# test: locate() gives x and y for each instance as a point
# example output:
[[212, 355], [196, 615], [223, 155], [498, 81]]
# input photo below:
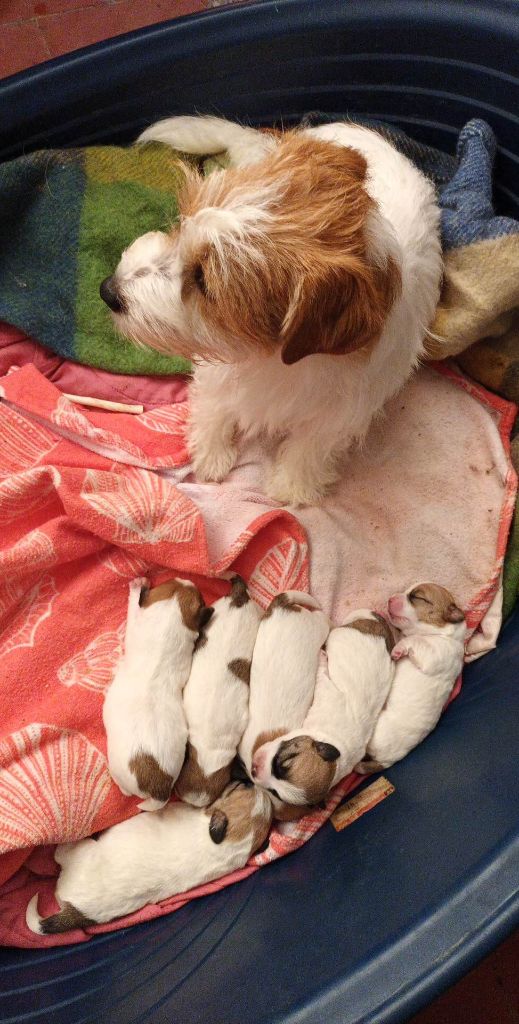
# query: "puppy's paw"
[[214, 464], [367, 766], [399, 651], [138, 583], [290, 489]]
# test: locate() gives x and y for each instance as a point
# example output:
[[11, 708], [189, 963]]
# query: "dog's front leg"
[[211, 433], [305, 468], [205, 136]]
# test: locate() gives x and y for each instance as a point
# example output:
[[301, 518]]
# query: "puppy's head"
[[296, 769], [290, 255], [243, 811], [194, 612], [426, 607]]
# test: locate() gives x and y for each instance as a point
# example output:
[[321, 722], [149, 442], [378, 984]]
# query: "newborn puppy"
[[284, 667], [153, 856], [143, 715], [301, 766], [430, 658], [216, 697]]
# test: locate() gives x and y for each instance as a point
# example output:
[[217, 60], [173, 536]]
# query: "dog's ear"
[[339, 310], [453, 614], [204, 614], [218, 826], [326, 750]]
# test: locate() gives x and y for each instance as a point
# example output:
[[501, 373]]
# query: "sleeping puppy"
[[284, 667], [143, 715], [216, 697], [301, 766], [430, 658], [154, 856]]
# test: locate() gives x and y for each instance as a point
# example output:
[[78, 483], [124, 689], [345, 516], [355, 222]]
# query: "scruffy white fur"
[[147, 859], [143, 712], [349, 694], [216, 696], [322, 404], [429, 660], [284, 667]]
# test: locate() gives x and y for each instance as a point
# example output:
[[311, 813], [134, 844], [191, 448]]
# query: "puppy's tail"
[[66, 920], [294, 599]]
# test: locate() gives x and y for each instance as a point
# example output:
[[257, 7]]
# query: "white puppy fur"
[[143, 714], [429, 659], [284, 667], [154, 856], [216, 696], [178, 291], [302, 765]]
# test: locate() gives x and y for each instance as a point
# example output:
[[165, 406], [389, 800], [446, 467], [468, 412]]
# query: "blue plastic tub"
[[369, 924]]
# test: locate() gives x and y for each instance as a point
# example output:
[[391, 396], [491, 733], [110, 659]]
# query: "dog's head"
[[243, 812], [195, 614], [296, 769], [290, 255], [425, 607]]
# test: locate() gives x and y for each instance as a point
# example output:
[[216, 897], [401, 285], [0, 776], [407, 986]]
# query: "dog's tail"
[[294, 599], [66, 920]]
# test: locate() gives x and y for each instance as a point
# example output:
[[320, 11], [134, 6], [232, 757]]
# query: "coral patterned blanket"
[[90, 499]]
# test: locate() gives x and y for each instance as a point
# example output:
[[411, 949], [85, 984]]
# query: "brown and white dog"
[[216, 696], [302, 765], [284, 668], [153, 856], [301, 281], [143, 714], [429, 659]]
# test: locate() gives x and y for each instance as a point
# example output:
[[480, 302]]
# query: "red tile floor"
[[32, 31]]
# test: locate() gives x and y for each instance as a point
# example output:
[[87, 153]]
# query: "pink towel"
[[89, 499]]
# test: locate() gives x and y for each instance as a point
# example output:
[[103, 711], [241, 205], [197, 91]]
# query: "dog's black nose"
[[109, 294]]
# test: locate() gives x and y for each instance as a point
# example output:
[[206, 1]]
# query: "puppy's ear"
[[218, 826], [453, 614], [326, 750], [204, 614], [339, 310]]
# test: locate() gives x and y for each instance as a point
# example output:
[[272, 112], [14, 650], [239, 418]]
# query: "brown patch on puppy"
[[240, 667], [68, 918], [192, 779], [435, 605], [372, 627], [151, 779], [266, 737], [195, 613], [239, 593], [232, 817], [282, 601], [306, 764]]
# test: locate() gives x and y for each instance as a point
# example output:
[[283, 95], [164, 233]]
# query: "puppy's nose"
[[395, 605], [109, 294]]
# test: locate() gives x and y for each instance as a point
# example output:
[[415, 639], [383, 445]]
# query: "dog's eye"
[[274, 793], [415, 596], [199, 279]]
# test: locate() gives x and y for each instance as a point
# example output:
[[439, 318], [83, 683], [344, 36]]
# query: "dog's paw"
[[399, 651], [291, 489], [138, 583], [214, 464], [367, 767]]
